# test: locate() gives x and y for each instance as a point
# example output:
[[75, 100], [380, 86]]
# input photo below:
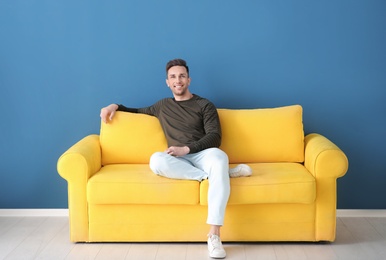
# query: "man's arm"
[[212, 128], [107, 113]]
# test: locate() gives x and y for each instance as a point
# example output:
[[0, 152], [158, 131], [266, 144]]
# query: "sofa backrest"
[[131, 138], [248, 135], [263, 135]]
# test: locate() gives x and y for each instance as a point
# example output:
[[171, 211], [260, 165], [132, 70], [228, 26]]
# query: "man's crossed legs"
[[211, 164]]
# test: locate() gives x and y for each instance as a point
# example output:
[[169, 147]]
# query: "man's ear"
[[167, 82]]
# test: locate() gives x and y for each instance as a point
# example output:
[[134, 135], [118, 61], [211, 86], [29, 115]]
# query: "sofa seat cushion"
[[136, 184], [270, 183]]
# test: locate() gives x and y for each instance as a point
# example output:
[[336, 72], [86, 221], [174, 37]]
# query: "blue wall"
[[61, 61]]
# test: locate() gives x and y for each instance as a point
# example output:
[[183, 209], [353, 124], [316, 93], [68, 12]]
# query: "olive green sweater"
[[194, 122]]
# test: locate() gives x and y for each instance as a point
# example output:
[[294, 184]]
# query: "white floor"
[[47, 238]]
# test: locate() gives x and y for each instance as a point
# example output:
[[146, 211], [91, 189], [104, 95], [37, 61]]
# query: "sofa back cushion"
[[131, 138], [263, 135]]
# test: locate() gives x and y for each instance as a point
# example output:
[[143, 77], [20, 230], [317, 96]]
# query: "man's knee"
[[218, 156], [157, 162]]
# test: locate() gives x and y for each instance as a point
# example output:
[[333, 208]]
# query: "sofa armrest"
[[76, 166], [81, 161], [323, 158], [326, 162]]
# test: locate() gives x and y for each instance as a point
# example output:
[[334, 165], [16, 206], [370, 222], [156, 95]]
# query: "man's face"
[[178, 81]]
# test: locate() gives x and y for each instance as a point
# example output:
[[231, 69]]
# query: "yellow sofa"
[[291, 195]]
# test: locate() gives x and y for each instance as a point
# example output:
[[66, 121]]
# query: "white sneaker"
[[241, 170], [215, 247]]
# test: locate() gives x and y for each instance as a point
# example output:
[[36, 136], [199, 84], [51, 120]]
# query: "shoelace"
[[215, 240]]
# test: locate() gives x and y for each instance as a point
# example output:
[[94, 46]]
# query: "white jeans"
[[211, 164]]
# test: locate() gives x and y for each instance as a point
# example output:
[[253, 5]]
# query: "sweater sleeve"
[[127, 109], [212, 127], [152, 110]]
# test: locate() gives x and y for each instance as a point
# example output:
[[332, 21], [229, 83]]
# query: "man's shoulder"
[[163, 101], [203, 101]]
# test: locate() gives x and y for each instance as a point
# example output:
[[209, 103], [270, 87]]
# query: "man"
[[192, 129]]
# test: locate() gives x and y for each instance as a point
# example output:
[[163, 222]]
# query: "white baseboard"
[[33, 212], [360, 213], [64, 213]]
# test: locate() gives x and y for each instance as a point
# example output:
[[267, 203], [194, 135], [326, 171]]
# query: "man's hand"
[[177, 151], [107, 113]]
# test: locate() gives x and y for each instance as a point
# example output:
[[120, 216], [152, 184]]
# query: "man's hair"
[[176, 62]]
